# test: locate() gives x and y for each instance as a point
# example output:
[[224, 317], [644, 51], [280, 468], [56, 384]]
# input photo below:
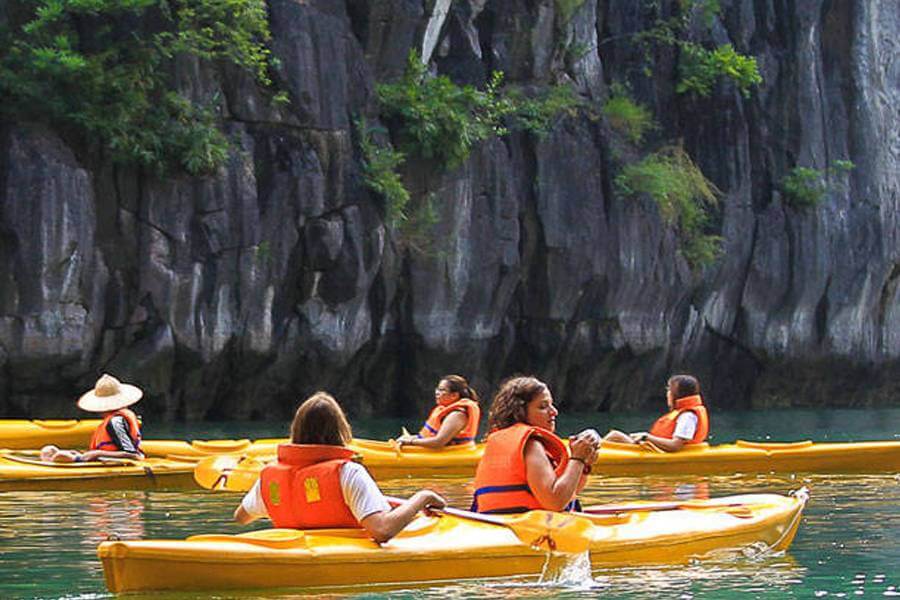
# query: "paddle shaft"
[[619, 508], [456, 512]]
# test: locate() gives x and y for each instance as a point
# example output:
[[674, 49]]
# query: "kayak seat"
[[220, 445], [56, 424], [268, 538], [773, 445]]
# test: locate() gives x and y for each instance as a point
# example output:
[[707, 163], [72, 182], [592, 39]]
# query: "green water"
[[846, 547]]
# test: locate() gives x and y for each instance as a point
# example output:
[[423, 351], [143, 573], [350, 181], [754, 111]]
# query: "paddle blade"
[[228, 473], [553, 531], [396, 447]]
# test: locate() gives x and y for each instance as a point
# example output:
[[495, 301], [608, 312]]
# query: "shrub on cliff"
[[805, 187], [682, 193], [699, 67], [99, 70], [441, 120], [380, 163], [435, 118], [626, 116]]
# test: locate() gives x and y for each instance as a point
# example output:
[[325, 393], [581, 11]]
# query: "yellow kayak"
[[751, 457], [20, 471], [21, 433], [237, 473], [447, 547]]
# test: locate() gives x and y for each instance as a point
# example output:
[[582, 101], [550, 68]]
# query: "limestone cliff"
[[236, 295]]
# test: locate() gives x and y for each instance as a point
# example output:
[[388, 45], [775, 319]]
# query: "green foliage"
[[805, 187], [538, 114], [380, 166], [264, 252], [700, 69], [434, 118], [437, 119], [841, 167], [415, 230], [682, 193], [566, 9], [626, 116], [98, 69]]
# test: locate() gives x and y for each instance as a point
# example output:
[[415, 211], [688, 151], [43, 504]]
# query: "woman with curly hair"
[[454, 418], [526, 465]]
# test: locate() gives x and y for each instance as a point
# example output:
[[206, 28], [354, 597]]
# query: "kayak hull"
[[22, 474], [18, 434], [445, 548]]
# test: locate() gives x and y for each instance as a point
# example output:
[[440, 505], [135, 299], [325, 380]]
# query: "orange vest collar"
[[688, 402], [301, 455], [448, 402]]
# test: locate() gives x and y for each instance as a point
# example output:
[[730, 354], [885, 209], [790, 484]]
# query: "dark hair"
[[683, 386], [458, 384], [320, 420], [511, 401]]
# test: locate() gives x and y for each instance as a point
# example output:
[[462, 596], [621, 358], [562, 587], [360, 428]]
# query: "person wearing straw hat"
[[118, 435]]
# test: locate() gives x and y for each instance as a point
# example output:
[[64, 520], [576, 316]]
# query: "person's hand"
[[590, 434], [583, 448], [428, 500], [405, 439], [639, 437]]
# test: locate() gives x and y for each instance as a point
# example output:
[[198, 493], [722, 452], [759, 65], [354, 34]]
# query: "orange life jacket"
[[441, 411], [101, 440], [501, 483], [303, 489], [665, 425]]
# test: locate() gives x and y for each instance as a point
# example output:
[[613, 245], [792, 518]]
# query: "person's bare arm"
[[450, 427], [242, 516], [95, 454], [619, 437], [553, 492], [384, 525], [669, 445]]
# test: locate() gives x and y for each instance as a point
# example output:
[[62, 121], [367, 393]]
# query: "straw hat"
[[109, 394]]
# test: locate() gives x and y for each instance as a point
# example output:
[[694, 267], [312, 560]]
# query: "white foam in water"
[[568, 570]]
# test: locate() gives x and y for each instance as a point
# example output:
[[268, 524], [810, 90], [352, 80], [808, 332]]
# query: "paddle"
[[554, 531], [735, 508], [231, 473]]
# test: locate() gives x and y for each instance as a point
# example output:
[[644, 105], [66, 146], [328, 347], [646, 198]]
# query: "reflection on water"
[[846, 545]]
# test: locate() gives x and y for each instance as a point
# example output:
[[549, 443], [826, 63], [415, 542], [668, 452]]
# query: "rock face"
[[236, 295]]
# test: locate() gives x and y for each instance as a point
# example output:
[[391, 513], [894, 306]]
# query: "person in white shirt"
[[686, 422], [315, 483]]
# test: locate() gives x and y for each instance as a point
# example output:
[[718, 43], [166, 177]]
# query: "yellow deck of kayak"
[[16, 434], [441, 548], [26, 472]]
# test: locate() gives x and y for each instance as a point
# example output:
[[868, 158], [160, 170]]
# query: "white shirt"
[[686, 425], [360, 491]]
